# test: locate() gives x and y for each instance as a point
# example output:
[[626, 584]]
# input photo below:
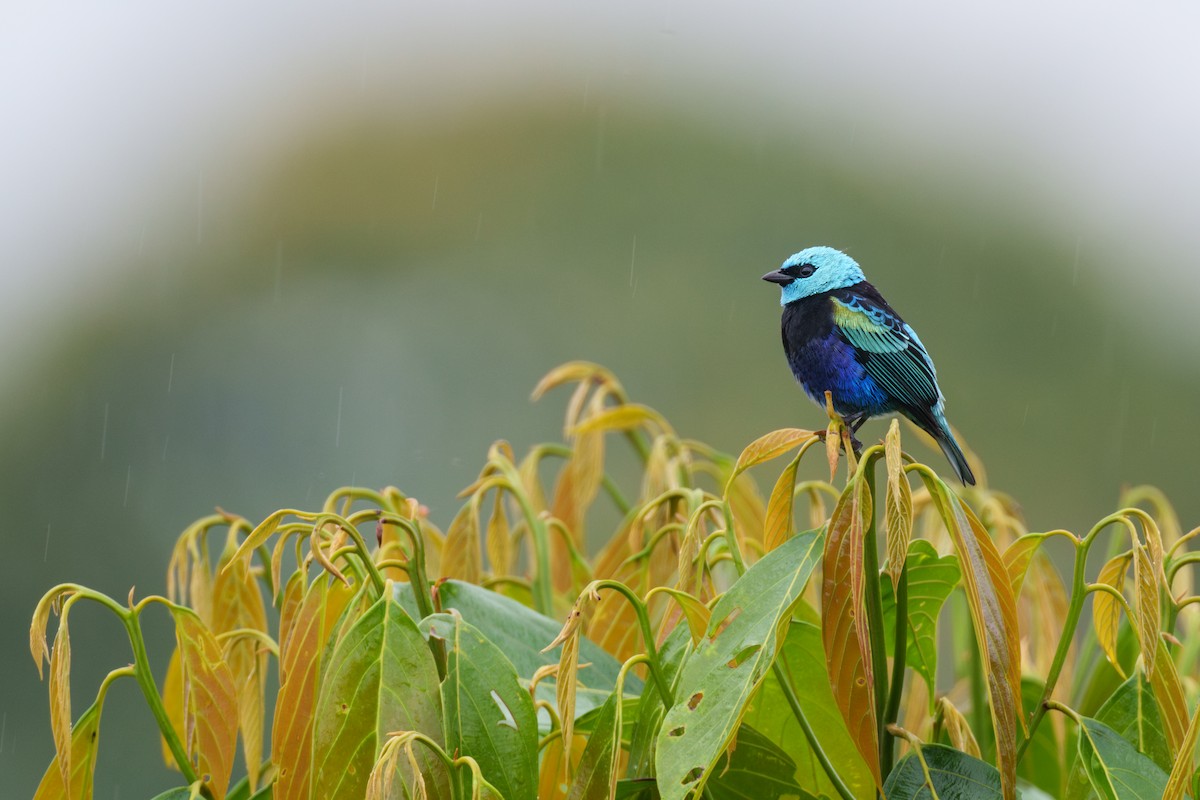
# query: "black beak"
[[776, 276]]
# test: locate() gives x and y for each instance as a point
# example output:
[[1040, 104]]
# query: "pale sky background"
[[1083, 115]]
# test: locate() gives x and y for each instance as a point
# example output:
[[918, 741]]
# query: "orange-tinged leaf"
[[994, 614], [237, 604], [1168, 693], [898, 509], [210, 701], [300, 660], [499, 540], [461, 551], [576, 488], [293, 595], [772, 445], [1146, 606], [843, 623], [1185, 763], [566, 682], [780, 522], [1106, 610], [60, 697], [172, 697]]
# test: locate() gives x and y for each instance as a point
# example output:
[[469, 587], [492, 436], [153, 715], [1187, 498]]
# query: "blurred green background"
[[367, 292]]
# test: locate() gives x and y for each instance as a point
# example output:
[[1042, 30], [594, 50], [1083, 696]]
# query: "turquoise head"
[[812, 271]]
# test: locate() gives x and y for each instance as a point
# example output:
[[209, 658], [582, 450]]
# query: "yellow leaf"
[[460, 553], [1168, 693], [1181, 772], [1146, 605], [172, 697], [769, 446], [898, 511], [957, 728], [571, 372], [499, 540], [780, 522], [60, 697], [624, 417], [1106, 609], [41, 620], [696, 613], [210, 701]]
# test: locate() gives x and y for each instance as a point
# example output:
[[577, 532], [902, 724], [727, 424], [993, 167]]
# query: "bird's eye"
[[806, 270]]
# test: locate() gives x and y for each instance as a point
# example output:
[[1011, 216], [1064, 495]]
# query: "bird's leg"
[[853, 423]]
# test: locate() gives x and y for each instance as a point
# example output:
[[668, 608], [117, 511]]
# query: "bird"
[[841, 336]]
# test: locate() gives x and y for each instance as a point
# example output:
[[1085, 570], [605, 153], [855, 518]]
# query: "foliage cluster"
[[713, 647]]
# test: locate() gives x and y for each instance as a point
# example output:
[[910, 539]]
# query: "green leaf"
[[1115, 769], [802, 660], [521, 633], [757, 768], [1132, 712], [746, 632], [954, 776], [650, 711], [597, 770], [931, 578], [380, 678], [85, 735], [488, 716]]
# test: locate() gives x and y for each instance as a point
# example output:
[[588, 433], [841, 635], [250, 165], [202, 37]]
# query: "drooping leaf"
[[952, 775], [1146, 605], [237, 604], [60, 697], [931, 579], [695, 613], [898, 508], [1168, 692], [173, 702], [1017, 558], [488, 715], [957, 729], [1184, 768], [780, 522], [994, 614], [300, 663], [461, 552], [210, 700], [1115, 769], [85, 741], [380, 678], [843, 622], [802, 661], [623, 417], [746, 631], [1106, 610]]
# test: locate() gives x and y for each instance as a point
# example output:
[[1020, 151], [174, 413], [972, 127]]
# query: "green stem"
[[794, 702], [899, 655], [416, 570], [145, 680], [660, 680], [1078, 593]]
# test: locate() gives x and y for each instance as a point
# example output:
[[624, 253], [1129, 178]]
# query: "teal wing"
[[889, 351]]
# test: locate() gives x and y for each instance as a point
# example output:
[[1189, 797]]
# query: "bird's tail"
[[954, 453]]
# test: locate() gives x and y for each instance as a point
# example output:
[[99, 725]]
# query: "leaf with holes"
[[487, 714], [802, 661], [843, 622], [745, 633], [380, 678], [931, 578], [947, 774]]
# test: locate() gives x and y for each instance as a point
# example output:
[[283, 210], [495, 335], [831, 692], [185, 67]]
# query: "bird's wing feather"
[[891, 352]]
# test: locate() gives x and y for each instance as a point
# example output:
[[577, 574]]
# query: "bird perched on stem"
[[841, 336]]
